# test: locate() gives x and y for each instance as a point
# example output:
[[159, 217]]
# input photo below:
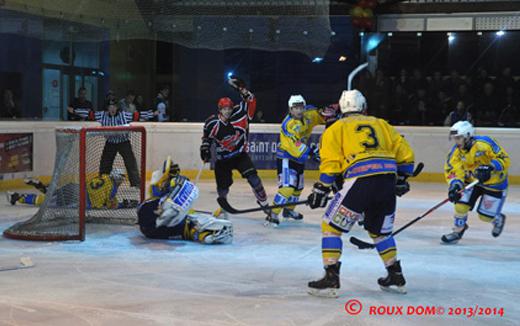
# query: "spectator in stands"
[[419, 110], [436, 83], [440, 108], [404, 81], [487, 106], [399, 106], [480, 80], [380, 96], [510, 112], [452, 83], [9, 108], [259, 117], [139, 103], [79, 103], [161, 104], [459, 114], [127, 103], [505, 80], [463, 95], [418, 81]]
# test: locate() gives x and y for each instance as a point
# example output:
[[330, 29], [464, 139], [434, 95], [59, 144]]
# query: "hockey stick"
[[365, 245], [228, 208], [354, 73], [25, 262], [201, 167]]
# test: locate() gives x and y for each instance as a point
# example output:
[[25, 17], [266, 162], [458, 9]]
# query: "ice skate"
[[498, 225], [272, 220], [455, 236], [36, 184], [329, 285], [12, 197], [394, 281], [291, 214]]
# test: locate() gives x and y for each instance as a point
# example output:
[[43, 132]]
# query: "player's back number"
[[371, 138]]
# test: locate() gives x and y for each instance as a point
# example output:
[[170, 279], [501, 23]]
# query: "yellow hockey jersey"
[[461, 164], [294, 134], [101, 191], [359, 146]]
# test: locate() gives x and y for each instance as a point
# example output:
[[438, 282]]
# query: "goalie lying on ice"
[[170, 216]]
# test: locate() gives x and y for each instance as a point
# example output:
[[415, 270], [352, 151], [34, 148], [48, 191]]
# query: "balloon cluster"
[[363, 15]]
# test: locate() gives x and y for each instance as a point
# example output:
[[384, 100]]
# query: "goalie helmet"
[[296, 100], [462, 128], [352, 102]]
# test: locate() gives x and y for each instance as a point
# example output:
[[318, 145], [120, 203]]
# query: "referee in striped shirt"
[[113, 117]]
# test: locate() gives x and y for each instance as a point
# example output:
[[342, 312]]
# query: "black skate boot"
[[264, 205], [328, 286], [455, 236], [272, 220], [36, 184], [12, 197], [394, 281], [292, 214], [498, 225]]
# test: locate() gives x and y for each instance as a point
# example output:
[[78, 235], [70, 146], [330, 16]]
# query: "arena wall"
[[182, 141]]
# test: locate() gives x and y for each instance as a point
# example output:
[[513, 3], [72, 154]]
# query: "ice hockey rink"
[[118, 277]]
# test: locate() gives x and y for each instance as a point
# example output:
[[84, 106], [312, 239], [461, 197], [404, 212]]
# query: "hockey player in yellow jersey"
[[291, 155], [475, 157], [101, 193], [375, 161]]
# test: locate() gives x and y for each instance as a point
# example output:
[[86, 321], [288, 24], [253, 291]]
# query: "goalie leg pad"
[[210, 230]]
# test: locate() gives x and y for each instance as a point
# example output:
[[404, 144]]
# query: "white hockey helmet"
[[462, 128], [352, 101], [295, 100]]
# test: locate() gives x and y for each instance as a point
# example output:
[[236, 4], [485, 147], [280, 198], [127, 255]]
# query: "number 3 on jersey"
[[372, 141]]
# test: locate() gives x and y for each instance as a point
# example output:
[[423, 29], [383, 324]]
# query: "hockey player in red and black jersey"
[[229, 130]]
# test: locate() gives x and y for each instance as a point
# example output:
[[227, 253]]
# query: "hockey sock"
[[31, 199], [258, 188], [282, 197], [331, 244], [294, 198], [386, 248], [461, 216]]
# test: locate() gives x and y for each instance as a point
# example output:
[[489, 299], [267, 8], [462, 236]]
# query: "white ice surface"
[[117, 277]]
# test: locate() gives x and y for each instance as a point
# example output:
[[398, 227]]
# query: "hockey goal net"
[[99, 177]]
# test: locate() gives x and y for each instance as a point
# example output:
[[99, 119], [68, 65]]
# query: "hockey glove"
[[205, 153], [318, 197], [402, 186], [483, 173], [454, 192], [315, 153]]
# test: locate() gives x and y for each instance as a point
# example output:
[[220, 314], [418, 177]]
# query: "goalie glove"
[[401, 186], [205, 153], [318, 197]]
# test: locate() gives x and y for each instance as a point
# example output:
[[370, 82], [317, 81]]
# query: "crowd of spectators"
[[411, 98], [131, 103]]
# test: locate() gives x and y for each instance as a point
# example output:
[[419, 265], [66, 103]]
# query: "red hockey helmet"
[[225, 102]]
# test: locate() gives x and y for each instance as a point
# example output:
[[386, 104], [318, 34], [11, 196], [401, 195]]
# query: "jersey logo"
[[229, 142]]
